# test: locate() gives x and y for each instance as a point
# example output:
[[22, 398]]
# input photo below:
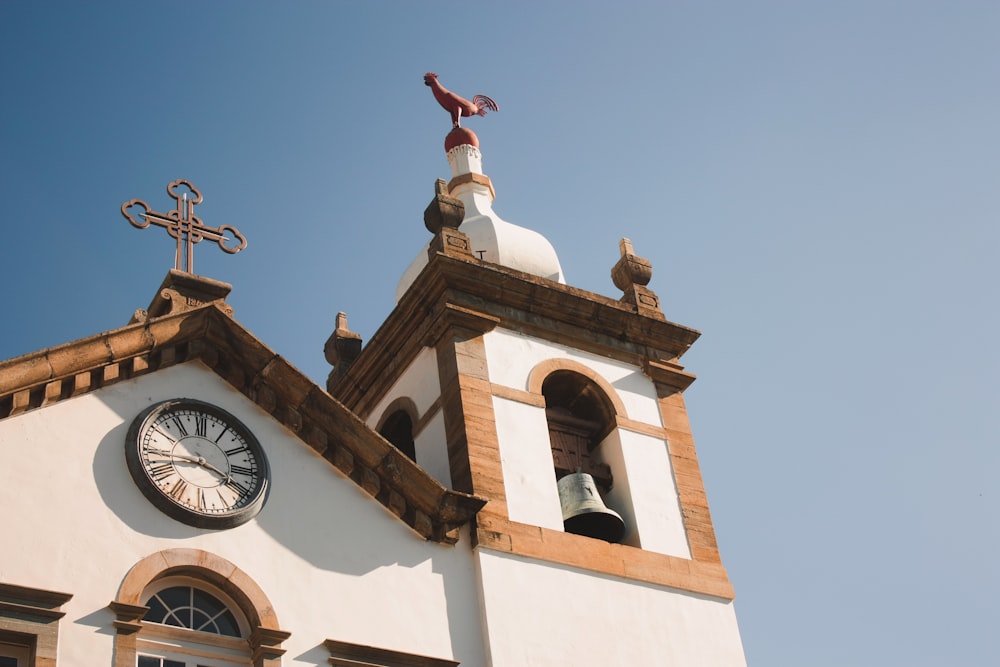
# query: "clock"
[[197, 463]]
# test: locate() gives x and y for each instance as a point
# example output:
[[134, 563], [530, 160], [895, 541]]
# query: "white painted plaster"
[[644, 492], [419, 382], [431, 447], [334, 563], [529, 477], [545, 614], [511, 356]]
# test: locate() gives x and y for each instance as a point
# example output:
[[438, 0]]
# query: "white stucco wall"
[[334, 563], [431, 447], [420, 383], [644, 492], [526, 459], [546, 615]]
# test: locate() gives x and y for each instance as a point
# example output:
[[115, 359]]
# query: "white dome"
[[493, 239]]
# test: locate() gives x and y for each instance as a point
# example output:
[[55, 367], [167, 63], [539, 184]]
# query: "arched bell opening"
[[398, 429], [579, 416]]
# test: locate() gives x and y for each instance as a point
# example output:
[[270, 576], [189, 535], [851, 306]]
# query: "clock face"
[[197, 463]]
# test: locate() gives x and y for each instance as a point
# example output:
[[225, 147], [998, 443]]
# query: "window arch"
[[160, 589], [398, 429], [580, 414], [579, 417], [190, 623], [397, 425]]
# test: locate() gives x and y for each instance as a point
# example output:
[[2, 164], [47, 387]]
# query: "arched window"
[[191, 624], [579, 417], [398, 429], [191, 608]]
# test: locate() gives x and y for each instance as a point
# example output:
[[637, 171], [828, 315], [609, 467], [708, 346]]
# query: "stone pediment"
[[207, 333]]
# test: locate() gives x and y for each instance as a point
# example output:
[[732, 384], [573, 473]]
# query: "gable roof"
[[206, 331]]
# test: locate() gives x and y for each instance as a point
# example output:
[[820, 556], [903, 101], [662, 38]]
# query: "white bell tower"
[[553, 403]]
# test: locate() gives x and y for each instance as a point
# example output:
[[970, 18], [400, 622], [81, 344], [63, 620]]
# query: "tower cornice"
[[510, 299]]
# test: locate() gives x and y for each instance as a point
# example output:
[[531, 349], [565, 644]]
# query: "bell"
[[584, 513]]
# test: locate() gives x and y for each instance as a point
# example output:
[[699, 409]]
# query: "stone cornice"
[[207, 334], [503, 297]]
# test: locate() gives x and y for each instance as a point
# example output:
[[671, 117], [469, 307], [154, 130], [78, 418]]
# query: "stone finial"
[[631, 275], [442, 217], [444, 210], [341, 349]]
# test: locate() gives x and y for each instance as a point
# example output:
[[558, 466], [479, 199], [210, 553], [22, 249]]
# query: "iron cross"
[[183, 225]]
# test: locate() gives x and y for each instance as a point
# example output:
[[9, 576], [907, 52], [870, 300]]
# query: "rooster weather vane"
[[183, 225], [458, 106]]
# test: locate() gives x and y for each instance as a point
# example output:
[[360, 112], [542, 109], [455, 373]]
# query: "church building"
[[503, 476]]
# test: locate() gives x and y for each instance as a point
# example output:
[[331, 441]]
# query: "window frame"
[[210, 571], [29, 617]]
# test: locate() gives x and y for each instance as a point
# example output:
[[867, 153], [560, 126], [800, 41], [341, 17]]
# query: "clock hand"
[[205, 464], [200, 460]]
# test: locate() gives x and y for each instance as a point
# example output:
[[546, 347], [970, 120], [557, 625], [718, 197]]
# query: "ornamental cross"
[[183, 225]]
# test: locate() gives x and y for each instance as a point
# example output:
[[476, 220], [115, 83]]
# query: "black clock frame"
[[162, 501]]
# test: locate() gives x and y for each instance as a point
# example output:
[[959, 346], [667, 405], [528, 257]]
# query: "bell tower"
[[565, 409]]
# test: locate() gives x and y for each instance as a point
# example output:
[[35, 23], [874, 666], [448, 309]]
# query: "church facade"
[[504, 475]]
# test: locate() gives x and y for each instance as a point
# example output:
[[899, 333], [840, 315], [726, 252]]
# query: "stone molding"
[[501, 296], [346, 654], [31, 616], [545, 368]]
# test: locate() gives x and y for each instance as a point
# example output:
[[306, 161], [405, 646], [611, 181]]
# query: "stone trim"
[[265, 635], [626, 424], [545, 368], [523, 302], [519, 395], [209, 336], [31, 616], [469, 420], [619, 560], [669, 377], [687, 476], [404, 403], [346, 654], [421, 424]]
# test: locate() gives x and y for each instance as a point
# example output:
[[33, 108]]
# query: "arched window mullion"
[[184, 615]]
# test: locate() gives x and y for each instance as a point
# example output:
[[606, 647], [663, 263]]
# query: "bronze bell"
[[584, 513]]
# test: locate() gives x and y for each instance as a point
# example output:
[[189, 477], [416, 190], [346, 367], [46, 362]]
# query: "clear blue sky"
[[815, 183]]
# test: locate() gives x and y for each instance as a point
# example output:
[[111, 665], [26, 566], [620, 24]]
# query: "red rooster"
[[455, 105]]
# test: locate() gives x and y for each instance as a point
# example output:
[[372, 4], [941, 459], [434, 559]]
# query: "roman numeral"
[[224, 431], [200, 425], [180, 425], [161, 471], [178, 490], [166, 435], [235, 450], [237, 487], [240, 470]]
